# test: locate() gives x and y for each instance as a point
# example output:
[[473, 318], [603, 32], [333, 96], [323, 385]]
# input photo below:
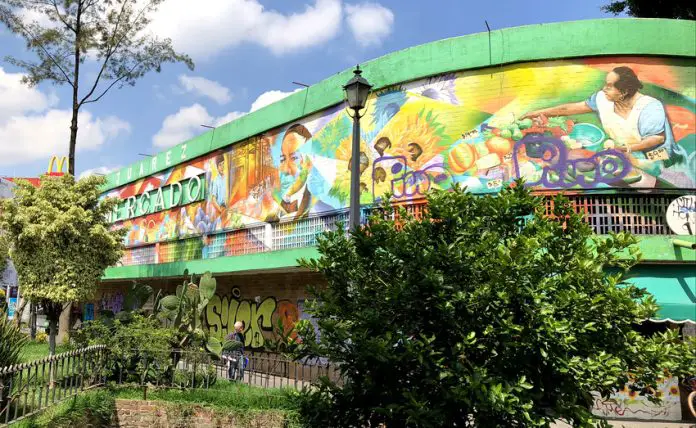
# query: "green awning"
[[674, 288]]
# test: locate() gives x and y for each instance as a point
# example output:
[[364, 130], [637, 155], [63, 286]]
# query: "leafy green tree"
[[109, 37], [484, 312], [61, 241], [4, 252], [675, 9]]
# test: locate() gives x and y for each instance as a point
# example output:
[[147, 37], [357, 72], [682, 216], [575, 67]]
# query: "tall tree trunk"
[[75, 97], [19, 311], [52, 314], [64, 322], [32, 320]]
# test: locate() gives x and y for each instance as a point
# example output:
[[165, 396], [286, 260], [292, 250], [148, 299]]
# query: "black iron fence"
[[26, 389], [191, 369]]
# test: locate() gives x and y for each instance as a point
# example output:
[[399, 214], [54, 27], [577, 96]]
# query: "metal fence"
[[636, 213], [26, 389], [200, 370]]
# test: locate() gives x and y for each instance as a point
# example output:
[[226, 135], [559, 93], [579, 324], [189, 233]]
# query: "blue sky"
[[247, 53]]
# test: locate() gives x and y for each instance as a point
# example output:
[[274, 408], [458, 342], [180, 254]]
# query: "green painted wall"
[[655, 249], [249, 262], [535, 42]]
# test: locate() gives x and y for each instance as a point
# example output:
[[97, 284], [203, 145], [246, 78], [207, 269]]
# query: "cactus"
[[185, 311]]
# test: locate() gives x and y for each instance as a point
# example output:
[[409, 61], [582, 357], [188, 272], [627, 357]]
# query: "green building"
[[246, 199]]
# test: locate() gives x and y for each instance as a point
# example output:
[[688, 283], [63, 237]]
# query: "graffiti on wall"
[[599, 123], [628, 403], [260, 317], [111, 302]]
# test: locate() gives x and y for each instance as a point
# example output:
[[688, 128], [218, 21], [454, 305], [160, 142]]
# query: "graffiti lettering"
[[259, 317], [562, 168], [405, 183], [684, 209]]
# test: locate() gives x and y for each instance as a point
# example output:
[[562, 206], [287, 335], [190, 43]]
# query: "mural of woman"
[[636, 122]]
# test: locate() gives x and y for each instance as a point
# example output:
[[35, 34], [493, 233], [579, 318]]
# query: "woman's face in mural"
[[293, 165], [610, 90]]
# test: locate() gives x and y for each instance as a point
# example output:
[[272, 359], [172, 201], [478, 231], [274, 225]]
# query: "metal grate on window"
[[244, 241], [138, 256], [638, 214], [304, 232], [178, 251]]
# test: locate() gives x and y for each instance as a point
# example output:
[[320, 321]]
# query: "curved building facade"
[[247, 199]]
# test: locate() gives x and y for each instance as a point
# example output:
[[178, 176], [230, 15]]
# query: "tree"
[[484, 312], [675, 9], [66, 34], [4, 252], [61, 241]]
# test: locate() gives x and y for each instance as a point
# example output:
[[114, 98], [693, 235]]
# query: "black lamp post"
[[357, 89]]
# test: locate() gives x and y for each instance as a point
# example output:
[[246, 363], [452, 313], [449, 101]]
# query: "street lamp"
[[356, 91]]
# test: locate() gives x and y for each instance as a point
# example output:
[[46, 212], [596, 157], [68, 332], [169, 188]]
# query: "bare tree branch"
[[60, 17], [123, 76], [48, 54]]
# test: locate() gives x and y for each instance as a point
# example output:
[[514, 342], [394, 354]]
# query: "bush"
[[205, 377], [41, 337], [12, 342], [484, 312], [89, 409], [139, 347]]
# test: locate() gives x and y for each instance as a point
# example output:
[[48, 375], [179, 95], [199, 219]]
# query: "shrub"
[[95, 408], [139, 347], [41, 337], [12, 342], [484, 312]]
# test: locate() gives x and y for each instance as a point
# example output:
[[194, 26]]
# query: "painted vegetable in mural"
[[550, 123]]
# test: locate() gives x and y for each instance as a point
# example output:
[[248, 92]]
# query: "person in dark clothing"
[[235, 359]]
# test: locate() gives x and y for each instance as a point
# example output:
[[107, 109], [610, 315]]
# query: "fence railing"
[[26, 389], [199, 370], [638, 214]]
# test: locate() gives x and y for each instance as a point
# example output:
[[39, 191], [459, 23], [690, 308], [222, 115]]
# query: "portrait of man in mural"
[[218, 185], [295, 198], [637, 123]]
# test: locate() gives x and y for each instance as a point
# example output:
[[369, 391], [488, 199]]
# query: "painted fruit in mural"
[[499, 145], [461, 158]]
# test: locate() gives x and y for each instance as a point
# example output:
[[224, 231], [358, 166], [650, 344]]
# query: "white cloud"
[[182, 125], [30, 129], [18, 98], [269, 98], [186, 123], [204, 31], [203, 87], [229, 117], [32, 137], [102, 170], [370, 23]]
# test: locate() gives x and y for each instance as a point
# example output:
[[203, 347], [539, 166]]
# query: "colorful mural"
[[599, 123], [260, 317], [628, 403]]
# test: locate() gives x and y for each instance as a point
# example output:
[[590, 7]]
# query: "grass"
[[36, 351], [223, 395], [94, 408], [245, 403]]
